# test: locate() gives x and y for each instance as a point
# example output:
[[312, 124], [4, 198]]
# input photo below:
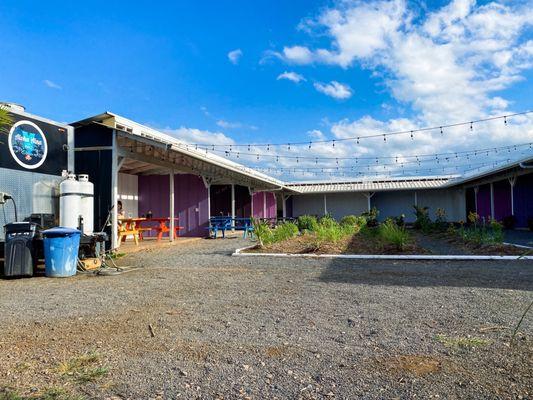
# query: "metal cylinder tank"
[[86, 203], [69, 202]]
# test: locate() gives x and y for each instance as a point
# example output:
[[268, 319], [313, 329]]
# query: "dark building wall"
[[220, 200], [243, 202], [523, 199], [502, 199], [97, 164], [483, 201]]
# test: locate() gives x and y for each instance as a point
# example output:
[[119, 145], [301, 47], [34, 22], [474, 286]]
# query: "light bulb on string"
[[471, 126], [412, 137]]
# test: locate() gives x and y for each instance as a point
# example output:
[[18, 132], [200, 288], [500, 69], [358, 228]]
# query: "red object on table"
[[163, 227]]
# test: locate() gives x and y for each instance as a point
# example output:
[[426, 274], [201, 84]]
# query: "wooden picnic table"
[[133, 227], [129, 226], [163, 227]]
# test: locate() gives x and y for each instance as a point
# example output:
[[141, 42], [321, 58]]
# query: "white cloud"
[[444, 66], [234, 56], [334, 89], [199, 136], [291, 76], [52, 84], [297, 54], [228, 125]]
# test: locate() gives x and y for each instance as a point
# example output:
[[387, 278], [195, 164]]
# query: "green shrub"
[[390, 232], [284, 231], [353, 220], [330, 234], [422, 218], [371, 217], [327, 221], [349, 220], [307, 223], [262, 232], [496, 231]]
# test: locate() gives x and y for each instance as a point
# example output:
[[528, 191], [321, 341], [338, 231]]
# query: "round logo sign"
[[27, 144]]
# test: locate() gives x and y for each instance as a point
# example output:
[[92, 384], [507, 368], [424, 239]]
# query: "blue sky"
[[362, 64]]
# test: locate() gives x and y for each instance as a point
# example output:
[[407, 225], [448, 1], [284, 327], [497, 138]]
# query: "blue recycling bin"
[[61, 251]]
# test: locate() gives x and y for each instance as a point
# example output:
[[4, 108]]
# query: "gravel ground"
[[194, 322]]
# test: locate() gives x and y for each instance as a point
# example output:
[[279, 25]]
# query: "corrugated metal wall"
[[483, 201], [190, 202], [393, 204], [307, 204], [33, 193], [128, 194], [341, 204], [264, 205], [452, 201], [502, 199], [523, 199]]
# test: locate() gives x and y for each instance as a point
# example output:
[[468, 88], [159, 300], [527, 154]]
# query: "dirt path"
[[194, 322]]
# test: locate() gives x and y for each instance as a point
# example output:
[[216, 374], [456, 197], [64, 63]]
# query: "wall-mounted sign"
[[27, 144]]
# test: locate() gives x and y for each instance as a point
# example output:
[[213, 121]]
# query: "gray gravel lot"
[[258, 327]]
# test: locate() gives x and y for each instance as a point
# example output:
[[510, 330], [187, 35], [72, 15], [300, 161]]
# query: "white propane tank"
[[69, 202], [87, 204]]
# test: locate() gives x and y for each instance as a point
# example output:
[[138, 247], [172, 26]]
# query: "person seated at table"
[[120, 210]]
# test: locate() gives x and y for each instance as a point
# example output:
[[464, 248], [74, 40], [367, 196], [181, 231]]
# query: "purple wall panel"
[[523, 199], [190, 201], [483, 202], [259, 200], [502, 200], [271, 205]]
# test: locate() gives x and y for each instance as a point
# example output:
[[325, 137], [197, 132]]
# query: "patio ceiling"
[[146, 156]]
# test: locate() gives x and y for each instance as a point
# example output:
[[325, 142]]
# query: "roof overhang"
[[142, 146]]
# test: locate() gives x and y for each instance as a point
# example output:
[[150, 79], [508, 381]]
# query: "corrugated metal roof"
[[133, 128], [371, 185]]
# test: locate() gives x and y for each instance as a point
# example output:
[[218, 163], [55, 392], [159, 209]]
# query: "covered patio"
[[160, 180]]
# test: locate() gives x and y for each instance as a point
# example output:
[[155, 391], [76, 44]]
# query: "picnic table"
[[133, 227], [127, 227], [163, 228], [224, 223]]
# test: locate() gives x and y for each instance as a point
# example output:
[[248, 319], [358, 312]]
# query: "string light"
[[425, 129], [443, 154]]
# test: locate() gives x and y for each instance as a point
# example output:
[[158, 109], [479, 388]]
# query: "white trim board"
[[239, 253]]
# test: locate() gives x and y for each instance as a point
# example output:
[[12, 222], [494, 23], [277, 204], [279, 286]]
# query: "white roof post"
[[171, 206], [233, 207], [512, 182], [491, 201]]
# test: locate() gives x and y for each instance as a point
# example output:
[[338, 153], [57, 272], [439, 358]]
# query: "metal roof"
[[132, 129], [492, 171], [376, 185]]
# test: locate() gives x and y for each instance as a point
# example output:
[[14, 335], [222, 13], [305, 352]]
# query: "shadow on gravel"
[[482, 274]]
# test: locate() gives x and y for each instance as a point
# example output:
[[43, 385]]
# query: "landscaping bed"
[[363, 235]]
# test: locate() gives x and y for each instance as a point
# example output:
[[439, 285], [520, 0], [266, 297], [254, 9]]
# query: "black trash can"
[[20, 256]]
